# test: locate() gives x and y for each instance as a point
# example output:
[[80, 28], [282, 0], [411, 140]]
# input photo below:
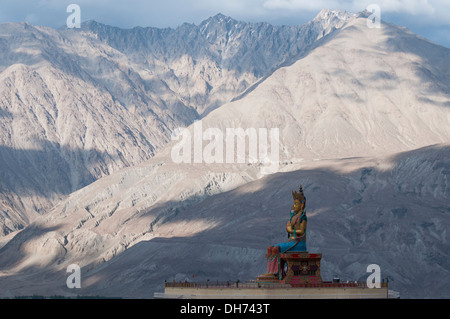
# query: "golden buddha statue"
[[296, 229]]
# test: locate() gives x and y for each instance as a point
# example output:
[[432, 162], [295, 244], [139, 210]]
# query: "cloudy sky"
[[429, 18]]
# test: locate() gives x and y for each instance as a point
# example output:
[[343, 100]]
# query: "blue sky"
[[429, 18]]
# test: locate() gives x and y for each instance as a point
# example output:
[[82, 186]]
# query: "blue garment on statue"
[[292, 246]]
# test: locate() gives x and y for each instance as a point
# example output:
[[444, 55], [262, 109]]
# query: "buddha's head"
[[297, 206]]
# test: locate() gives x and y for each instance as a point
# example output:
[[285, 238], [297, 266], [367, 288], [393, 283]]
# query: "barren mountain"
[[209, 64], [359, 92], [76, 105], [345, 108]]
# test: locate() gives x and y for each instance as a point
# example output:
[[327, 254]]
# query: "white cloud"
[[415, 7], [304, 4]]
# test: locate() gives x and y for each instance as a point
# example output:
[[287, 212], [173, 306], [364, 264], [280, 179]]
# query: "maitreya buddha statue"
[[296, 229]]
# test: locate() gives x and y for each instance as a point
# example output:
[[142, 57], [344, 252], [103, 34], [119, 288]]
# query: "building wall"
[[276, 293]]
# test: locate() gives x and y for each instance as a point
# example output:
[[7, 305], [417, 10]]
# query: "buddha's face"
[[297, 206]]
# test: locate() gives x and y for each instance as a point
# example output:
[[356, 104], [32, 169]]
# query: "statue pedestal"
[[300, 268]]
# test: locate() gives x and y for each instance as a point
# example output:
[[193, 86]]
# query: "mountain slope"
[[131, 231], [61, 128]]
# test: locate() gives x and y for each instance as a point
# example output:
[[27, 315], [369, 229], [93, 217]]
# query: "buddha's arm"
[[289, 228], [299, 230]]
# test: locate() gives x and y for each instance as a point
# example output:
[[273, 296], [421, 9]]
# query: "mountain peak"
[[220, 16], [327, 14], [219, 19]]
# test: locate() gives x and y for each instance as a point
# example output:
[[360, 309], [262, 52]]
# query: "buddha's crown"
[[299, 196]]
